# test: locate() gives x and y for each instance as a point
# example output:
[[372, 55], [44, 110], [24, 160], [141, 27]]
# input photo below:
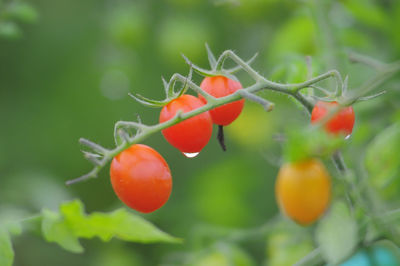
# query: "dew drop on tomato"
[[190, 155]]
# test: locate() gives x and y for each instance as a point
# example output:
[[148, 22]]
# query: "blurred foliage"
[[330, 240], [68, 74], [288, 238], [382, 163], [310, 142], [12, 13], [381, 253]]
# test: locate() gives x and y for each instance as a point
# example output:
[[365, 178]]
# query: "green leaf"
[[310, 142], [382, 162], [120, 224], [71, 223], [56, 229], [6, 250], [336, 234]]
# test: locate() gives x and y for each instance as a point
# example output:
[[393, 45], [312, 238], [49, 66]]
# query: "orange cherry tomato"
[[220, 86], [141, 178], [303, 190], [191, 135]]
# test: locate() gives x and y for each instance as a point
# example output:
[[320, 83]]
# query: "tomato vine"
[[341, 95]]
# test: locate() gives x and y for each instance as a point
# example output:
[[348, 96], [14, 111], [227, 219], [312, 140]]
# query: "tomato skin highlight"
[[141, 178], [191, 135], [220, 86], [342, 122], [303, 190]]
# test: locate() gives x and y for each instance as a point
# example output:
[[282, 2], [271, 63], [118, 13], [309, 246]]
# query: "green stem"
[[337, 159], [145, 130]]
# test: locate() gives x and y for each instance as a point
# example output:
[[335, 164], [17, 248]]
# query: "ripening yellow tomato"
[[303, 190]]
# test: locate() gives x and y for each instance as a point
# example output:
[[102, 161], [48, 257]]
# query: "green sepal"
[[199, 70], [310, 142], [148, 102], [237, 68], [211, 57], [370, 97]]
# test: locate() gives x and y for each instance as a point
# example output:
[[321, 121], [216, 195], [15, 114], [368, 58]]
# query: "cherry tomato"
[[191, 135], [303, 190], [141, 178], [220, 86], [342, 122]]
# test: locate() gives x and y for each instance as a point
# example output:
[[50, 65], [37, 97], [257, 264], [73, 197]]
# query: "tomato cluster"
[[141, 177]]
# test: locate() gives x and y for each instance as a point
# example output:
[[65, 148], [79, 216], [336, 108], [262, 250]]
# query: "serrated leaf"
[[6, 249], [71, 223], [56, 229], [336, 234], [382, 162], [120, 224]]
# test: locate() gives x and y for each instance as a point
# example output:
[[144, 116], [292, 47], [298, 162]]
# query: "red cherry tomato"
[[342, 122], [220, 86], [141, 178], [191, 135]]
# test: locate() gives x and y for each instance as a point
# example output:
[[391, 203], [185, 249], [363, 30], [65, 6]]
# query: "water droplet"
[[190, 155], [347, 137]]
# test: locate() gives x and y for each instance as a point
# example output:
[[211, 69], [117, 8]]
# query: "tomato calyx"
[[170, 92], [217, 65]]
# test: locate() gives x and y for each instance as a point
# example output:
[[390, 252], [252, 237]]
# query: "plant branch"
[[261, 83]]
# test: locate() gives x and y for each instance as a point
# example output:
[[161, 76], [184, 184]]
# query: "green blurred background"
[[67, 74]]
